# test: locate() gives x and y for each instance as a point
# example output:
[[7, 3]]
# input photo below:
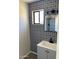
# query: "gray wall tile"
[[37, 31]]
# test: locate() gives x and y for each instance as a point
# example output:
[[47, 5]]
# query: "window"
[[38, 17]]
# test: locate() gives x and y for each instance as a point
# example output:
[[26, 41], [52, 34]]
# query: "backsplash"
[[37, 32]]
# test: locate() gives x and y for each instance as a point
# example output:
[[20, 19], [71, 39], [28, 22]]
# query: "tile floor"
[[31, 56]]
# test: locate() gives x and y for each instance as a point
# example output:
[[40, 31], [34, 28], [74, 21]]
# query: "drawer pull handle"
[[47, 51]]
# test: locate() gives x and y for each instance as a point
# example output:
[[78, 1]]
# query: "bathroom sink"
[[46, 44]]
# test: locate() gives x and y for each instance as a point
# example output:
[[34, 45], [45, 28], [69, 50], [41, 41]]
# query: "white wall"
[[24, 36]]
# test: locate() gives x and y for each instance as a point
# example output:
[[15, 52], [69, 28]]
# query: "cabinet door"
[[51, 54], [41, 53]]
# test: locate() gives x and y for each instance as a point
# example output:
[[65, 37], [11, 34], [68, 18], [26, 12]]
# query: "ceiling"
[[29, 1]]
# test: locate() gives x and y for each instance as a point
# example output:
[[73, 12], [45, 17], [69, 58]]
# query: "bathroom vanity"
[[46, 50]]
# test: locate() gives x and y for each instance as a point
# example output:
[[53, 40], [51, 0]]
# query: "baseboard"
[[27, 54], [34, 52], [22, 57]]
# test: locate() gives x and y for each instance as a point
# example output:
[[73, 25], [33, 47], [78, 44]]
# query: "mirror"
[[51, 23]]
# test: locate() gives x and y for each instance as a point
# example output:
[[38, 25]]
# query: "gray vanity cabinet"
[[44, 53]]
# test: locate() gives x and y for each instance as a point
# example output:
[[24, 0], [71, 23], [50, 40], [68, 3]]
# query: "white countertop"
[[46, 44]]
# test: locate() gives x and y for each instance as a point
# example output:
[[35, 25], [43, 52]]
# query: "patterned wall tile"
[[37, 32]]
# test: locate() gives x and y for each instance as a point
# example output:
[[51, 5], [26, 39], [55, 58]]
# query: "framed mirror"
[[51, 23]]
